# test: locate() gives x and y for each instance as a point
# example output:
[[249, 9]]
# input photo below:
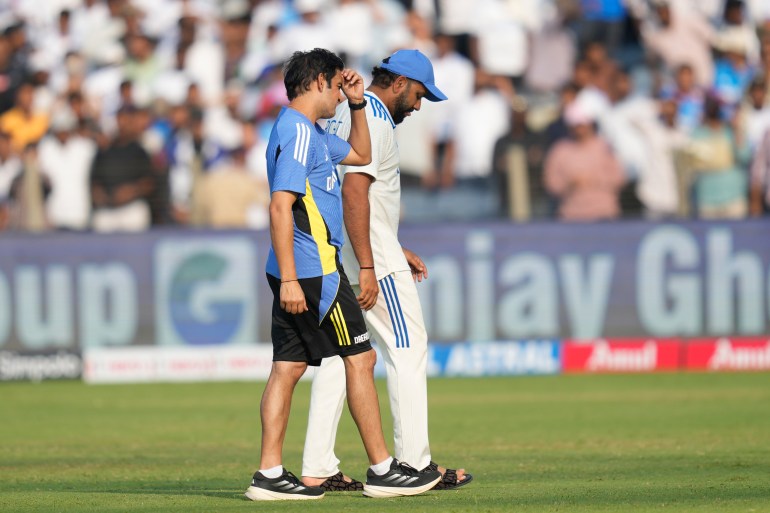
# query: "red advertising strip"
[[728, 354], [621, 355]]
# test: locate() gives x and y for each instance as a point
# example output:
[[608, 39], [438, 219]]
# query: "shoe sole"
[[260, 494], [384, 492]]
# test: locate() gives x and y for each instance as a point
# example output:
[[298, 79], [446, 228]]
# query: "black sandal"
[[449, 479], [337, 483]]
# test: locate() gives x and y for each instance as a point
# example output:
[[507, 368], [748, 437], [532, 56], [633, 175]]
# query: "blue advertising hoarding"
[[487, 282]]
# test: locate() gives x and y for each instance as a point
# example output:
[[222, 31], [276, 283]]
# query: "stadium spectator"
[[764, 64], [201, 59], [720, 184], [657, 186], [142, 68], [12, 72], [222, 59], [753, 117], [28, 194], [601, 20], [351, 23], [10, 165], [760, 178], [582, 172], [735, 23], [122, 178], [680, 36], [619, 124], [733, 70], [229, 196], [23, 124], [312, 30], [558, 128], [518, 162], [471, 182], [501, 42], [689, 97], [65, 158], [552, 56]]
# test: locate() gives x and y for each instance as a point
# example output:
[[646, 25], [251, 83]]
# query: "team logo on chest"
[[331, 181]]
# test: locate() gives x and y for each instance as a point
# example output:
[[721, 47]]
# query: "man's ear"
[[320, 82], [400, 84]]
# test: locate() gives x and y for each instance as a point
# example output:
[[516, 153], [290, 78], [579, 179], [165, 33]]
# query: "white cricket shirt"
[[384, 193]]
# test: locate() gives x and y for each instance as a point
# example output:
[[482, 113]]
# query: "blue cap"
[[415, 65]]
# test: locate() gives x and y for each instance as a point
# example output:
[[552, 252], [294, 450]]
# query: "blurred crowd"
[[118, 115]]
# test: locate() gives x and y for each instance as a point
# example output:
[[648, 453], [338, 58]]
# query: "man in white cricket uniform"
[[383, 275]]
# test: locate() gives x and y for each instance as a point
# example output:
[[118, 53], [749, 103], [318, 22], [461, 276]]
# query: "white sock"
[[383, 467], [272, 473]]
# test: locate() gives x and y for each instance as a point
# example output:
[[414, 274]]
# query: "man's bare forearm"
[[355, 201]]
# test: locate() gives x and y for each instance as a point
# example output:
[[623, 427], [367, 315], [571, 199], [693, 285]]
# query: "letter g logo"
[[205, 291]]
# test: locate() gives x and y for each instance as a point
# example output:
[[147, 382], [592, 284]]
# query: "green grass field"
[[671, 442]]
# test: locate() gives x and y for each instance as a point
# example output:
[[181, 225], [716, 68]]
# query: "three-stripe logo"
[[388, 287], [338, 321], [302, 144]]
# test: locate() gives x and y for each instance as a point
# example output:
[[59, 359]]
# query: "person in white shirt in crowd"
[[678, 35], [456, 18], [734, 20], [619, 124], [57, 40], [97, 33], [312, 30], [203, 61], [479, 123], [502, 43], [753, 118], [553, 53], [459, 75], [351, 23], [657, 184], [65, 158]]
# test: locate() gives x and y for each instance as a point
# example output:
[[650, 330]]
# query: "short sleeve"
[[338, 149], [291, 167]]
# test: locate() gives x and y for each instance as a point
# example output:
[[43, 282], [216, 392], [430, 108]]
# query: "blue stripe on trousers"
[[399, 313], [391, 311]]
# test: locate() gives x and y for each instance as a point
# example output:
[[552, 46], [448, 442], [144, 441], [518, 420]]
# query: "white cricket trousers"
[[398, 329]]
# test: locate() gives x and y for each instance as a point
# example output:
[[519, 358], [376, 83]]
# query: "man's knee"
[[361, 362], [289, 370]]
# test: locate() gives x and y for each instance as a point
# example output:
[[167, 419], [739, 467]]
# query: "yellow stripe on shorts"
[[337, 327], [343, 324]]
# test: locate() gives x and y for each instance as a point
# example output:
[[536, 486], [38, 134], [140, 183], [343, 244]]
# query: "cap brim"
[[434, 94]]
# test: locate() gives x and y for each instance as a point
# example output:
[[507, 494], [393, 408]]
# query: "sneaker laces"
[[291, 478], [407, 469]]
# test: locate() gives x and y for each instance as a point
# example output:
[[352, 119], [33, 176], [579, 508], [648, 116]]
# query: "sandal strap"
[[337, 483]]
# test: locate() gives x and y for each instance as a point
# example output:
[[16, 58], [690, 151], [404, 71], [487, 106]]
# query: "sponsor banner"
[[494, 358], [175, 364], [488, 282], [39, 366], [621, 355], [728, 354]]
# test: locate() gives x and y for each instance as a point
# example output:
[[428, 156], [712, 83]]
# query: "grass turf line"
[[667, 442]]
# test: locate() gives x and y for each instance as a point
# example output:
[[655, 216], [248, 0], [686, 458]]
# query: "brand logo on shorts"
[[361, 338], [205, 291]]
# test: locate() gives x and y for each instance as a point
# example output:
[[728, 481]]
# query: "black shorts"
[[300, 337]]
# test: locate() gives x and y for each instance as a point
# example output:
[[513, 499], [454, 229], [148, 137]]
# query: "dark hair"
[[382, 77], [303, 68], [732, 4]]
